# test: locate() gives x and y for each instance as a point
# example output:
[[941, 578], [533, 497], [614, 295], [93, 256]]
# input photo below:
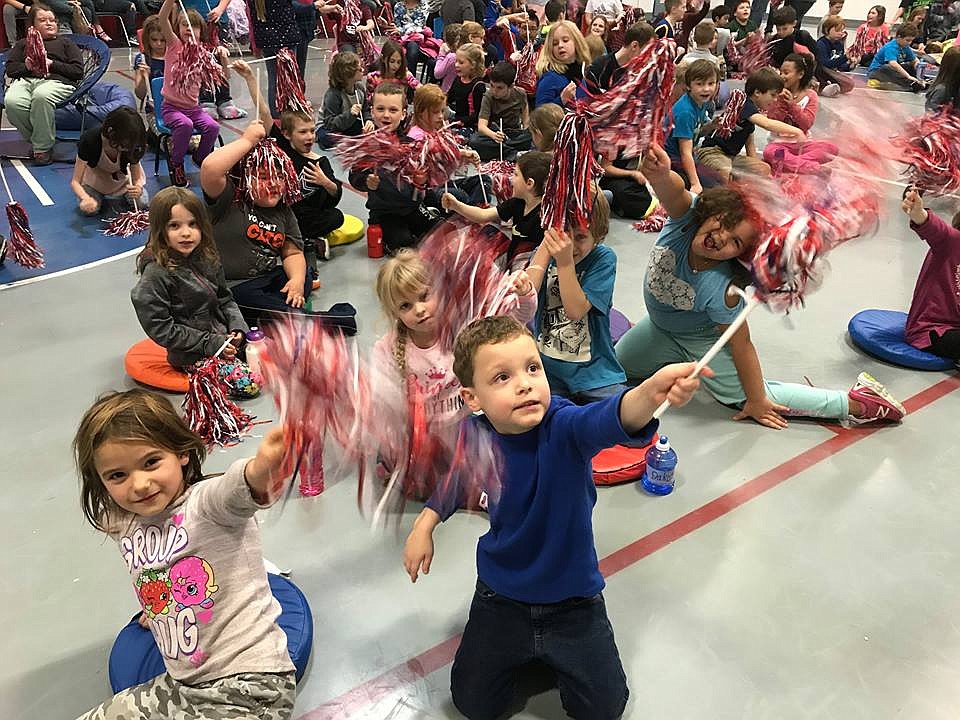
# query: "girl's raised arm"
[[667, 185]]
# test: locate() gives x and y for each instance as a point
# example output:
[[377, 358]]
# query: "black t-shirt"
[[527, 229], [734, 144], [315, 198], [464, 99], [604, 73], [781, 47]]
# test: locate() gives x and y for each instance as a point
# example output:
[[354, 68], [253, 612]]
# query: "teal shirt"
[[688, 118]]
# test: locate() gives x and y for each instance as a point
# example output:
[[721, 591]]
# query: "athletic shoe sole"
[[868, 381]]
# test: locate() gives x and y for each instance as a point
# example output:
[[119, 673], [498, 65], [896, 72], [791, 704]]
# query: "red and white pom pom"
[[431, 161], [125, 224], [653, 222], [199, 68], [729, 119], [369, 50], [788, 262], [320, 389], [267, 170], [501, 176], [22, 246], [527, 68], [568, 191], [379, 149], [208, 410], [930, 145], [290, 87], [755, 54], [35, 54]]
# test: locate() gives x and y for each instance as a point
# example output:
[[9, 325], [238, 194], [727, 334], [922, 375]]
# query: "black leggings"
[[946, 345]]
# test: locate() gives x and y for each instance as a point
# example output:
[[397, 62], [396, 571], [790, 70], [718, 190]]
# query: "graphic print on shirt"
[[440, 390], [176, 597], [560, 337], [267, 237], [663, 283]]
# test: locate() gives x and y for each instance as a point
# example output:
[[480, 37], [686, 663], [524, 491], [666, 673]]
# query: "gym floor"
[[805, 573]]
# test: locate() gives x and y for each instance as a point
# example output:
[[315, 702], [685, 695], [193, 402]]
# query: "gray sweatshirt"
[[188, 310], [337, 117]]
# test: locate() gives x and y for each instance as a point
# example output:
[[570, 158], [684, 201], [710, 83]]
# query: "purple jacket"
[[936, 297]]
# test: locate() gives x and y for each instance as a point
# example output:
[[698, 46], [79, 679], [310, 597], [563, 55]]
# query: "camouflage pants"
[[247, 696]]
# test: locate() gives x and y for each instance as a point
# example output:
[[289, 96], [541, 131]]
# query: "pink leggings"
[[803, 158], [182, 124]]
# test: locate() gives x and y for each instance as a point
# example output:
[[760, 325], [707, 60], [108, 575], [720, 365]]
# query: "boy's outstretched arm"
[[418, 551], [668, 383], [471, 212]]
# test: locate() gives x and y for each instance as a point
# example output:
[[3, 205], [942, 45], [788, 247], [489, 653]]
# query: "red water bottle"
[[374, 241]]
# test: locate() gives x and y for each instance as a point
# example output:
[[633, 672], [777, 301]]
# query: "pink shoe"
[[878, 404]]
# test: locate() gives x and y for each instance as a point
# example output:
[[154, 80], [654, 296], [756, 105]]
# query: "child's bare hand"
[[88, 205], [262, 473], [373, 181], [912, 205], [229, 352], [368, 127], [294, 292], [242, 69], [765, 411], [673, 383], [559, 245], [255, 132], [448, 201], [500, 137], [655, 162], [470, 156], [134, 191], [638, 177], [418, 553], [522, 285], [314, 175], [356, 109], [797, 134], [568, 93]]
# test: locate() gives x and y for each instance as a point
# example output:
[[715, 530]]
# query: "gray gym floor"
[[806, 573]]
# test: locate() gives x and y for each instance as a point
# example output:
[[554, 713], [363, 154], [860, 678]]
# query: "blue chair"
[[96, 59], [163, 132]]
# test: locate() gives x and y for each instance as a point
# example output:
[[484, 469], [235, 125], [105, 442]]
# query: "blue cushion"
[[881, 333], [135, 658], [104, 98]]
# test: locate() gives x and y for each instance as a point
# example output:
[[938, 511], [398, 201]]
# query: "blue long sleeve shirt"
[[540, 548]]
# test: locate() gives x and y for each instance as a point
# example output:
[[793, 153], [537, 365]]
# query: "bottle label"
[[660, 477]]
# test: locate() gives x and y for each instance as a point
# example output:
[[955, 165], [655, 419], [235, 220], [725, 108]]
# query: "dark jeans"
[[946, 345], [400, 231], [757, 9], [489, 149], [414, 56], [469, 190], [573, 638], [263, 294]]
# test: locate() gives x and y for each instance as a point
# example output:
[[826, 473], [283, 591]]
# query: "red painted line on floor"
[[429, 661]]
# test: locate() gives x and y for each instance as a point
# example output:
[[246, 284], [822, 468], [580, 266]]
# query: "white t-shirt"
[[610, 9]]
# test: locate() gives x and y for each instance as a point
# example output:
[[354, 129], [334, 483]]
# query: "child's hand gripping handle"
[[752, 302]]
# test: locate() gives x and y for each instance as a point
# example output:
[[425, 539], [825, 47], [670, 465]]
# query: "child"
[[522, 210], [108, 162], [608, 71], [561, 63], [553, 12], [390, 67], [721, 17], [834, 7], [933, 324], [792, 39], [609, 10], [474, 32], [690, 113], [831, 57], [945, 90], [273, 26], [141, 479], [411, 351], [181, 110], [253, 234], [316, 212], [722, 155], [667, 26], [538, 594], [600, 27], [690, 301], [31, 99], [797, 106], [871, 36], [348, 36], [741, 25], [445, 70], [895, 64], [704, 36], [466, 92], [574, 274], [149, 64], [544, 123], [182, 299], [595, 47], [504, 117], [343, 103], [403, 219]]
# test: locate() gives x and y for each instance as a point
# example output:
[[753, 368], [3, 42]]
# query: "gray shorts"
[[142, 202]]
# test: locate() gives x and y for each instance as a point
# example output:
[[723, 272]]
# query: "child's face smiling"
[[715, 242], [598, 27], [564, 49], [509, 385], [388, 111], [872, 16], [183, 231], [141, 478], [791, 75]]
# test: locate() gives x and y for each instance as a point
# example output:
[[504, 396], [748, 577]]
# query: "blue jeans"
[[573, 638]]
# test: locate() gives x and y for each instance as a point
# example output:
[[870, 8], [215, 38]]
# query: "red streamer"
[[930, 145], [527, 68], [729, 120], [35, 54], [501, 176], [755, 54], [290, 87], [128, 223], [267, 169], [208, 410], [200, 69], [22, 246], [653, 222]]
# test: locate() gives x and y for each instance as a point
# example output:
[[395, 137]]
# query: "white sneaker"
[[830, 90]]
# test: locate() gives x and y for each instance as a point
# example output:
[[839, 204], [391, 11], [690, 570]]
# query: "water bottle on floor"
[[256, 343], [661, 463]]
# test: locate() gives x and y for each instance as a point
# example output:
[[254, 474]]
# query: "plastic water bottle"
[[661, 463], [921, 69], [256, 344], [374, 241]]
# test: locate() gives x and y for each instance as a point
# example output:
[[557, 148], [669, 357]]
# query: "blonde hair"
[[132, 416], [474, 54], [403, 276], [161, 207], [547, 61], [470, 28], [545, 119], [426, 98], [595, 46]]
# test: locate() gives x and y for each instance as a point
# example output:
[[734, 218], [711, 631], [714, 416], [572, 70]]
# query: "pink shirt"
[[936, 297], [445, 70], [173, 68], [415, 132]]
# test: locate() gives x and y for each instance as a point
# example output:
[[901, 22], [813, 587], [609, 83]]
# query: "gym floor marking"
[[31, 182]]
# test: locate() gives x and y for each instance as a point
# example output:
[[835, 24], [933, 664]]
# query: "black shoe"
[[342, 316]]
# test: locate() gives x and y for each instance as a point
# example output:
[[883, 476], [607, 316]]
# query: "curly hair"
[[726, 203], [342, 70]]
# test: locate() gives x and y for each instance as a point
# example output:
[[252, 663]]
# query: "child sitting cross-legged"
[[895, 64], [344, 101], [538, 592], [502, 125], [522, 210], [691, 112]]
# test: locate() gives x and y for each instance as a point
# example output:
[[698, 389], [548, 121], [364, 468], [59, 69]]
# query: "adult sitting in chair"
[[32, 98]]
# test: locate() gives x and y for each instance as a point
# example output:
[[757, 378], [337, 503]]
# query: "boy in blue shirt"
[[690, 114], [538, 593], [895, 64]]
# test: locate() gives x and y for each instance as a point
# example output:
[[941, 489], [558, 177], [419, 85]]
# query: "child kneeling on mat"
[[182, 299], [933, 324], [537, 563], [205, 597], [108, 163]]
